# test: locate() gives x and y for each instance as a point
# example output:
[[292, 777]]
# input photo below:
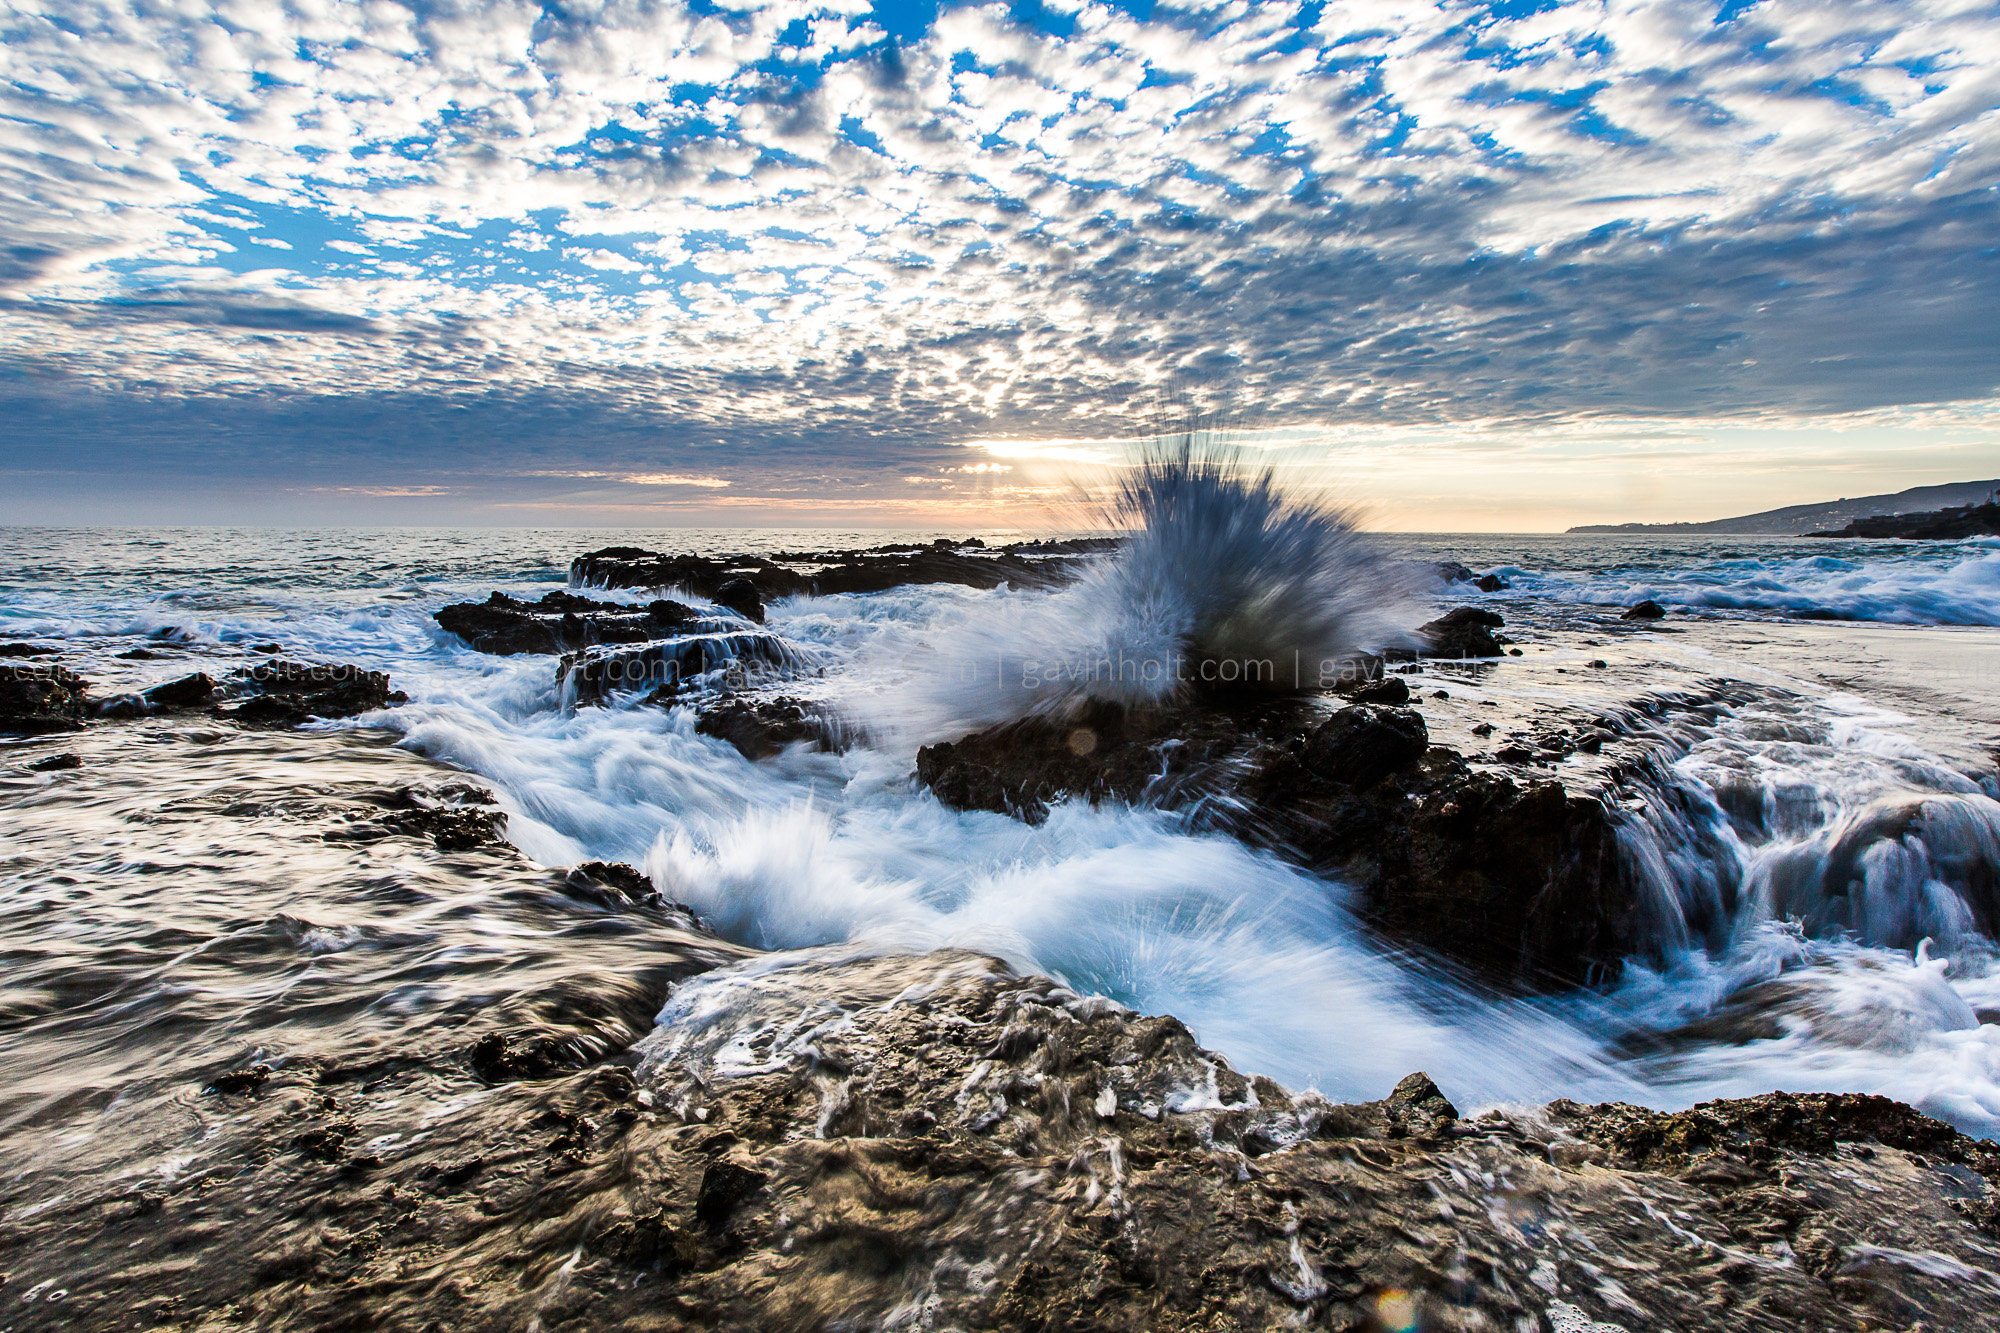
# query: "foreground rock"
[[935, 1142], [746, 582], [36, 700]]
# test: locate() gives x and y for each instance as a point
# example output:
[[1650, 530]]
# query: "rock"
[[1362, 744], [561, 622], [1450, 571], [1521, 882], [608, 883], [26, 650], [56, 763], [184, 692], [740, 595], [761, 728], [36, 700], [665, 668], [1646, 610], [1491, 583], [1415, 1107], [824, 573], [139, 655], [1021, 1156], [1465, 632], [1981, 520], [1389, 690], [289, 693]]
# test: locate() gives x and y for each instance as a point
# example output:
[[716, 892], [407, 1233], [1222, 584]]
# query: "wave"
[[1928, 584], [1225, 582]]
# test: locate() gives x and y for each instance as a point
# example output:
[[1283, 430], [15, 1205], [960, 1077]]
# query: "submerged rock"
[[36, 700], [560, 622], [1646, 610]]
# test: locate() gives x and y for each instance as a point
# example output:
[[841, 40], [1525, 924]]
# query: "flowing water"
[[1819, 854]]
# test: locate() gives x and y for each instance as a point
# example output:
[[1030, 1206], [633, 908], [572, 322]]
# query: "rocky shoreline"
[[832, 1139]]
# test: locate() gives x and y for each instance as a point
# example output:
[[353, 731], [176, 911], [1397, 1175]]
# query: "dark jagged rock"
[[1450, 571], [823, 573], [36, 700], [27, 650], [1362, 744], [1465, 632], [1520, 880], [1003, 1154], [184, 692], [761, 728], [1646, 610], [1491, 583], [57, 763], [560, 622], [665, 668], [1392, 690], [740, 595], [288, 693], [1982, 520]]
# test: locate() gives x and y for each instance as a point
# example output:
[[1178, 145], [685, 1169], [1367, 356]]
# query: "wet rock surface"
[[286, 693], [1464, 632], [753, 580], [664, 669], [837, 1144], [560, 622], [1486, 859], [760, 727], [182, 692], [38, 699]]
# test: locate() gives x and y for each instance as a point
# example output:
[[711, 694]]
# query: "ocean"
[[137, 925]]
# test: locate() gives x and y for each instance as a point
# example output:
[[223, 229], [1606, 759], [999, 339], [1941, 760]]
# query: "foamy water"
[[1759, 812]]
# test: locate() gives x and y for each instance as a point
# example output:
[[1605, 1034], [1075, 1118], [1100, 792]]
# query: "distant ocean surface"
[[816, 850], [58, 570]]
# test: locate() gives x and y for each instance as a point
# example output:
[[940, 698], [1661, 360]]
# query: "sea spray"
[[1226, 582]]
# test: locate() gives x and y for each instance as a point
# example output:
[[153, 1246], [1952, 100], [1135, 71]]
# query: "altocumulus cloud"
[[670, 245]]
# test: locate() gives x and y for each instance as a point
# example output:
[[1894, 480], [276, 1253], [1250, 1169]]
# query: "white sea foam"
[[1918, 583], [1263, 962]]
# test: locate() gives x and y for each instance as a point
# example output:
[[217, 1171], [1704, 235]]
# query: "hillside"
[[1797, 520]]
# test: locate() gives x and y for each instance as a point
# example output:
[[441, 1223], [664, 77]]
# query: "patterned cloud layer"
[[313, 236]]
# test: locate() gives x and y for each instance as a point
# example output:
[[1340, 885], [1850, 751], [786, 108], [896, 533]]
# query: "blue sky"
[[1493, 265]]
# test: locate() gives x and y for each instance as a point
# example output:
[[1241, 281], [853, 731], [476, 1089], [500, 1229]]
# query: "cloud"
[[771, 233]]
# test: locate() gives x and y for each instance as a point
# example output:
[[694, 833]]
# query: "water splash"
[[1226, 582]]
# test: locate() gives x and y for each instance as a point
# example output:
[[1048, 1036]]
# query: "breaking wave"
[[1225, 582]]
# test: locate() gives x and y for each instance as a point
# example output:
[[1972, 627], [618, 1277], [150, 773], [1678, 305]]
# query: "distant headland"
[[1830, 515]]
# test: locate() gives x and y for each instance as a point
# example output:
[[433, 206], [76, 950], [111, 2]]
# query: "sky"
[[1476, 266]]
